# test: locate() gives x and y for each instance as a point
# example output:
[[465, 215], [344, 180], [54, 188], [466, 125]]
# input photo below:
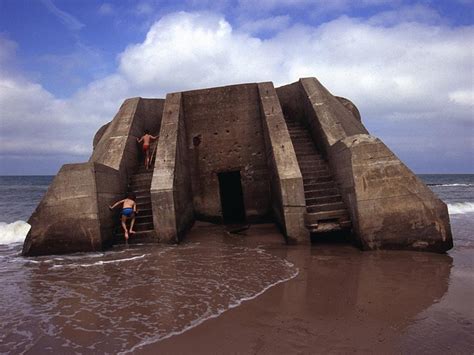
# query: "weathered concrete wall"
[[348, 104], [118, 147], [292, 102], [149, 112], [98, 135], [288, 202], [328, 119], [171, 195], [389, 206], [73, 215], [394, 208], [224, 133]]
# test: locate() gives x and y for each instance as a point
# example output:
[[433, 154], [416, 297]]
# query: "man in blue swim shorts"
[[129, 210]]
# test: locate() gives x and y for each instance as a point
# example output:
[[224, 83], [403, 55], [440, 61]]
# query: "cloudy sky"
[[66, 66]]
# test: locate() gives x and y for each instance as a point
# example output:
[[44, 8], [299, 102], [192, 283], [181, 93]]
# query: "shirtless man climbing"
[[147, 138], [129, 210]]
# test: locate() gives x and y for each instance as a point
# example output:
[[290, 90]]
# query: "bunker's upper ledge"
[[295, 155]]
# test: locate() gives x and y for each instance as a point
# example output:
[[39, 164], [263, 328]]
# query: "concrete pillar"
[[288, 202]]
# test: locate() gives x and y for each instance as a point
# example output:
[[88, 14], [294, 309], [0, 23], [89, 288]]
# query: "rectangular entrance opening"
[[232, 198]]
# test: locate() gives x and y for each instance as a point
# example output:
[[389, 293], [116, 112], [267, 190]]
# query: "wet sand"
[[342, 301]]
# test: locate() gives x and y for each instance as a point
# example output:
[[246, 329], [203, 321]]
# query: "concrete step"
[[318, 200], [303, 143], [142, 170], [332, 206], [309, 148], [144, 214], [143, 218], [308, 159], [143, 226], [319, 186], [297, 141], [142, 176], [321, 192], [293, 122], [312, 164], [142, 191], [305, 153], [341, 216], [320, 169], [143, 198], [143, 205], [139, 185], [303, 134], [300, 135], [315, 180], [315, 174], [324, 227], [298, 130]]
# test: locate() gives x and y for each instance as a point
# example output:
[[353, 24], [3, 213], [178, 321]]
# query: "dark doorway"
[[232, 201]]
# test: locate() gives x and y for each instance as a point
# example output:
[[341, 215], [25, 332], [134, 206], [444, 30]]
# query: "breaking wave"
[[13, 232], [102, 262], [450, 184], [461, 208]]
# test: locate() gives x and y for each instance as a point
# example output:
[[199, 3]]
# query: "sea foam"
[[461, 208], [13, 232], [449, 185]]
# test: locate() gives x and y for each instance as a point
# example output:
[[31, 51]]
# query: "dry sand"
[[342, 301]]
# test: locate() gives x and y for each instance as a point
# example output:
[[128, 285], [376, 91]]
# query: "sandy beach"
[[343, 300]]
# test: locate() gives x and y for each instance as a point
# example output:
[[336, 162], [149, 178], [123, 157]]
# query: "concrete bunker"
[[295, 155]]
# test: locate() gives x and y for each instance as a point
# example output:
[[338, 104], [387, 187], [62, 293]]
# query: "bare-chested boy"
[[147, 138], [129, 209]]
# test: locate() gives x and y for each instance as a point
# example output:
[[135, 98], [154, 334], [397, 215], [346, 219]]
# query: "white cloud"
[[463, 97], [407, 71]]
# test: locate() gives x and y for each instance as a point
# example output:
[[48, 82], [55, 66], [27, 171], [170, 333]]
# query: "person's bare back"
[[128, 203], [129, 210], [146, 139]]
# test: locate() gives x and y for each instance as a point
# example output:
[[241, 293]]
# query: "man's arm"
[[153, 137], [116, 204], [140, 140]]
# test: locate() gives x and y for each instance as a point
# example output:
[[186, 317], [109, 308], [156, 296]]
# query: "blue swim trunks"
[[127, 212]]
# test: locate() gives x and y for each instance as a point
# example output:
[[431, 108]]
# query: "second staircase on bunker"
[[325, 209]]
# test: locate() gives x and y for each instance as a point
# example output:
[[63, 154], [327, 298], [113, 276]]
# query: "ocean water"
[[129, 297]]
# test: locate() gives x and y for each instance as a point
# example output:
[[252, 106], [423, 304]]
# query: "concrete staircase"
[[140, 183], [325, 209]]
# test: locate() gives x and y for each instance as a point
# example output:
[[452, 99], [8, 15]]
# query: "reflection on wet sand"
[[343, 300]]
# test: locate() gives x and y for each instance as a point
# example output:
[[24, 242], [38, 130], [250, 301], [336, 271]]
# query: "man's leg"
[[147, 158], [132, 223], [124, 226]]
